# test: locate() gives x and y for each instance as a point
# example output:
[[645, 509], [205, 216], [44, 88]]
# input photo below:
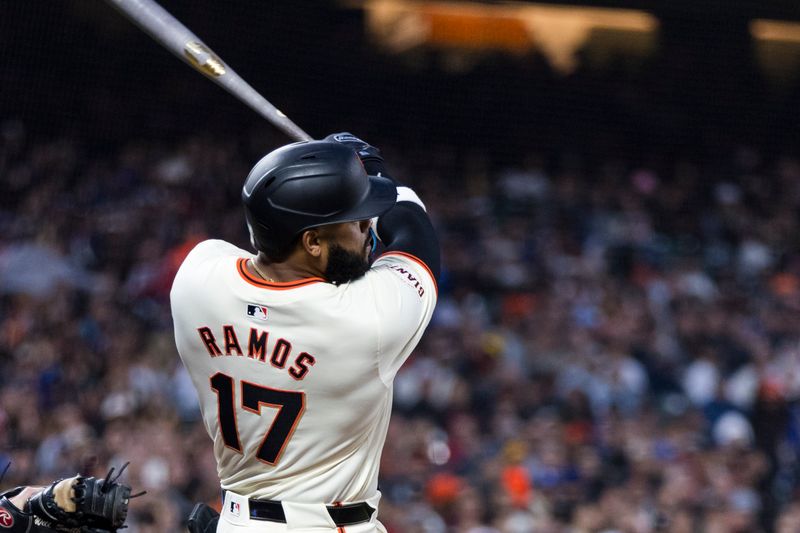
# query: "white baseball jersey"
[[295, 379]]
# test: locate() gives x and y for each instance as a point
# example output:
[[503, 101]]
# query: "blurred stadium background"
[[617, 188]]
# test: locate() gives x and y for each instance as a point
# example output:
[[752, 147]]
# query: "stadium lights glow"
[[777, 48], [557, 31], [774, 30]]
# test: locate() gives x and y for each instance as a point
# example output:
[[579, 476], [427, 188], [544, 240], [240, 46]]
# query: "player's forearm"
[[407, 228]]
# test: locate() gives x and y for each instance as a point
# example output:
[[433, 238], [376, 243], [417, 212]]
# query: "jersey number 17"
[[290, 405]]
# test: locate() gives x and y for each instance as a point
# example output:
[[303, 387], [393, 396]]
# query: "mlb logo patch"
[[236, 509], [259, 312]]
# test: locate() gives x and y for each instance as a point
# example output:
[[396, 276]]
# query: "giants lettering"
[[257, 349], [409, 277]]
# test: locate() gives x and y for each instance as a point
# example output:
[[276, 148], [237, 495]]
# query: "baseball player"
[[293, 351]]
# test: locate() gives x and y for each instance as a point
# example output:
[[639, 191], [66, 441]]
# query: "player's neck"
[[289, 270]]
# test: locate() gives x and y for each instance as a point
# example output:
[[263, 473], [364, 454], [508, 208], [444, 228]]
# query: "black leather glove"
[[101, 504], [369, 155]]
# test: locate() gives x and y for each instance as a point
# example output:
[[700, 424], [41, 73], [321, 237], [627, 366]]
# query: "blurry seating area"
[[616, 345]]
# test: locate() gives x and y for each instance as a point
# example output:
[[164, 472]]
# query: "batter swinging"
[[293, 351]]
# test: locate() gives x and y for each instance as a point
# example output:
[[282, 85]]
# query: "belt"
[[342, 515]]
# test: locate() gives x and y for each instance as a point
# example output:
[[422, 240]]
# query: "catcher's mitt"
[[99, 504]]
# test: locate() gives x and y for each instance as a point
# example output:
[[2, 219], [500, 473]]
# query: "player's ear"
[[311, 242]]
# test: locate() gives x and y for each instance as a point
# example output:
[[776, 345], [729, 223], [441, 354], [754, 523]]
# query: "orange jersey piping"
[[274, 285]]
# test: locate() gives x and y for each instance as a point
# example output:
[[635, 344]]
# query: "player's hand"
[[370, 156]]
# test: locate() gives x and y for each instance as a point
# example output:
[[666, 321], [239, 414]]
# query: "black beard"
[[344, 265]]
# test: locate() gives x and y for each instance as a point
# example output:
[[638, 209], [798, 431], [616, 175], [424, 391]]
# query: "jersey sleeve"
[[406, 295]]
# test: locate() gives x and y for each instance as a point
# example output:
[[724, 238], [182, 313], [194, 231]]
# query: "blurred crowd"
[[616, 346]]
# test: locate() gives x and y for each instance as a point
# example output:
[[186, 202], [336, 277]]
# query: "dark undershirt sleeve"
[[407, 228]]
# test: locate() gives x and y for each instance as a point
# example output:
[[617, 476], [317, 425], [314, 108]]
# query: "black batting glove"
[[369, 155], [203, 519]]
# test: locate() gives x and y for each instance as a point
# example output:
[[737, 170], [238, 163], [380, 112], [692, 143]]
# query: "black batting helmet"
[[307, 184]]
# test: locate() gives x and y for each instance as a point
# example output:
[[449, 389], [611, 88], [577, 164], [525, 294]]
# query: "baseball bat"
[[179, 40]]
